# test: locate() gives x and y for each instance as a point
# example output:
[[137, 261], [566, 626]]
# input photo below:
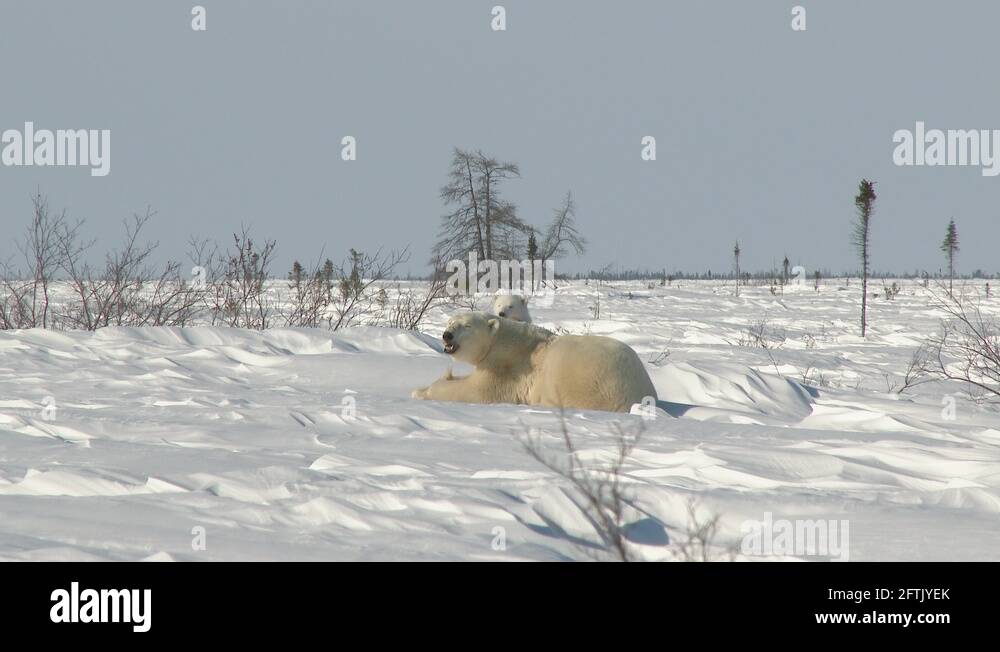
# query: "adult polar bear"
[[520, 363]]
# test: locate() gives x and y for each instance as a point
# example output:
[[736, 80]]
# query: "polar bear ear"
[[494, 324]]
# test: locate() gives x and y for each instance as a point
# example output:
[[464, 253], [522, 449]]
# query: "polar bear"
[[521, 363], [511, 306]]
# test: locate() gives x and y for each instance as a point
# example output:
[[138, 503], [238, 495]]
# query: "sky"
[[762, 132]]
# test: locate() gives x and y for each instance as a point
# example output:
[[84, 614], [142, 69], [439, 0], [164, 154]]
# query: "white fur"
[[520, 363], [511, 306]]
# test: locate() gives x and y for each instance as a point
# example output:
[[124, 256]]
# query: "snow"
[[297, 444]]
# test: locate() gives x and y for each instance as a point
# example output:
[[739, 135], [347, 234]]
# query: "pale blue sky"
[[763, 133]]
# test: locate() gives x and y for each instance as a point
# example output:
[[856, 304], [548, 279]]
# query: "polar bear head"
[[469, 337], [512, 306]]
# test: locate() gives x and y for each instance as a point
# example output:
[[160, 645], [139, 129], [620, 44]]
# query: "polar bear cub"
[[521, 363], [512, 306]]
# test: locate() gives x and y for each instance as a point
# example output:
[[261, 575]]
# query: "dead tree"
[[481, 221], [562, 233], [865, 204]]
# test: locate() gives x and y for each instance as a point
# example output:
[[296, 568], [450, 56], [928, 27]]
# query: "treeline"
[[621, 274]]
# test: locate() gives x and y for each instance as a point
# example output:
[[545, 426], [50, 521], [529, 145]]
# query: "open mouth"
[[450, 348]]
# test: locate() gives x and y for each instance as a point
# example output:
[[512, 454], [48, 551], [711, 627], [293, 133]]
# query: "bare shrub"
[[812, 375], [890, 291], [918, 370], [602, 489], [356, 298], [760, 334], [237, 296], [128, 290], [357, 292], [701, 532], [25, 292], [410, 305], [966, 348], [311, 293]]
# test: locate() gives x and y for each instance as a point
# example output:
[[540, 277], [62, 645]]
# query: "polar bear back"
[[591, 372]]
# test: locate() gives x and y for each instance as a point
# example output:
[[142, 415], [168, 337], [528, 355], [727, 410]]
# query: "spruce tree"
[[865, 204], [950, 247], [736, 258], [532, 257]]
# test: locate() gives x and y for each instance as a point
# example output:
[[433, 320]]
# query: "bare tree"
[[481, 221], [562, 233], [865, 204]]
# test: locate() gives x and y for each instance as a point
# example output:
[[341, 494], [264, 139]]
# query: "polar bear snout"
[[468, 337]]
